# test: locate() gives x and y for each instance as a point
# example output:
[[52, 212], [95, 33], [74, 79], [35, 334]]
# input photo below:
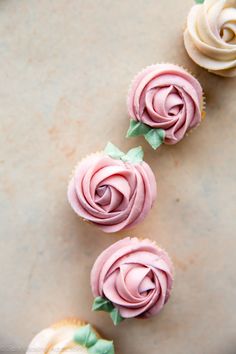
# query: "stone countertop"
[[65, 70]]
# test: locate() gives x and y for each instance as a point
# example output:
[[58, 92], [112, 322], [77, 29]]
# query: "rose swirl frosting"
[[164, 103], [210, 36], [113, 190], [131, 278]]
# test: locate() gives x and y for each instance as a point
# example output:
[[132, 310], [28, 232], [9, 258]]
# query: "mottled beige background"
[[65, 66]]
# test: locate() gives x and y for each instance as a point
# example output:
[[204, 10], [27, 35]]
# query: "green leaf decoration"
[[134, 155], [199, 1], [137, 128], [85, 336], [102, 304], [116, 317], [112, 151], [102, 346], [155, 137]]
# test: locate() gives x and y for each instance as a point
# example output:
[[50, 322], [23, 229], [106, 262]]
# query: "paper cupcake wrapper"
[[75, 322]]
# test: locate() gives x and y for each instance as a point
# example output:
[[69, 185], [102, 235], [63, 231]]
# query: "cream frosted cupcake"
[[70, 336], [210, 36], [113, 190], [164, 103], [131, 278]]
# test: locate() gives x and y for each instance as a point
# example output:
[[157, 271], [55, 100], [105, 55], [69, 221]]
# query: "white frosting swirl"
[[56, 341], [210, 37]]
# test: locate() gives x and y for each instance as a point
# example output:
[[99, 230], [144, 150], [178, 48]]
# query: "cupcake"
[[164, 103], [113, 190], [210, 36], [70, 336], [131, 278]]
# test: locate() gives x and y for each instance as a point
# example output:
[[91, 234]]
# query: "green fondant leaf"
[[85, 336], [102, 346], [112, 151], [137, 128], [116, 317], [134, 155], [102, 304], [199, 1], [155, 137]]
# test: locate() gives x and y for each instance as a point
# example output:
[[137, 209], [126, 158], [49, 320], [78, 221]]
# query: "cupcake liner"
[[73, 322]]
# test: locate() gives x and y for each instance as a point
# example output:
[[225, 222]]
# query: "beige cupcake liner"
[[73, 322]]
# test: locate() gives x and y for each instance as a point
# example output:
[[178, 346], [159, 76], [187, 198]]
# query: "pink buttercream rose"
[[166, 97], [135, 275], [111, 193]]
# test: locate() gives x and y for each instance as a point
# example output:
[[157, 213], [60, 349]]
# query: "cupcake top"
[[113, 190], [131, 278], [164, 102], [210, 36], [69, 337]]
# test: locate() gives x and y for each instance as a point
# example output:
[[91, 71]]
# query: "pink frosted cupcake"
[[113, 190], [164, 103], [131, 278]]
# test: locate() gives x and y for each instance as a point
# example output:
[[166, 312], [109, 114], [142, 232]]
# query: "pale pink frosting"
[[165, 96], [112, 194], [135, 275]]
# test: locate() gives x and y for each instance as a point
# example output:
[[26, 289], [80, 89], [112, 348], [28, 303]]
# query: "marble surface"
[[65, 69]]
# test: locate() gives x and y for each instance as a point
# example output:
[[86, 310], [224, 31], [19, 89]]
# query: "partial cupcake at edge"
[[111, 189], [131, 278], [164, 103], [70, 336], [210, 36]]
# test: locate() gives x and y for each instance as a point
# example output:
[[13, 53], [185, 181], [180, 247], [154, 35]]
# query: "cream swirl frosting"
[[67, 337], [210, 37], [112, 193], [164, 98], [56, 340], [135, 276]]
